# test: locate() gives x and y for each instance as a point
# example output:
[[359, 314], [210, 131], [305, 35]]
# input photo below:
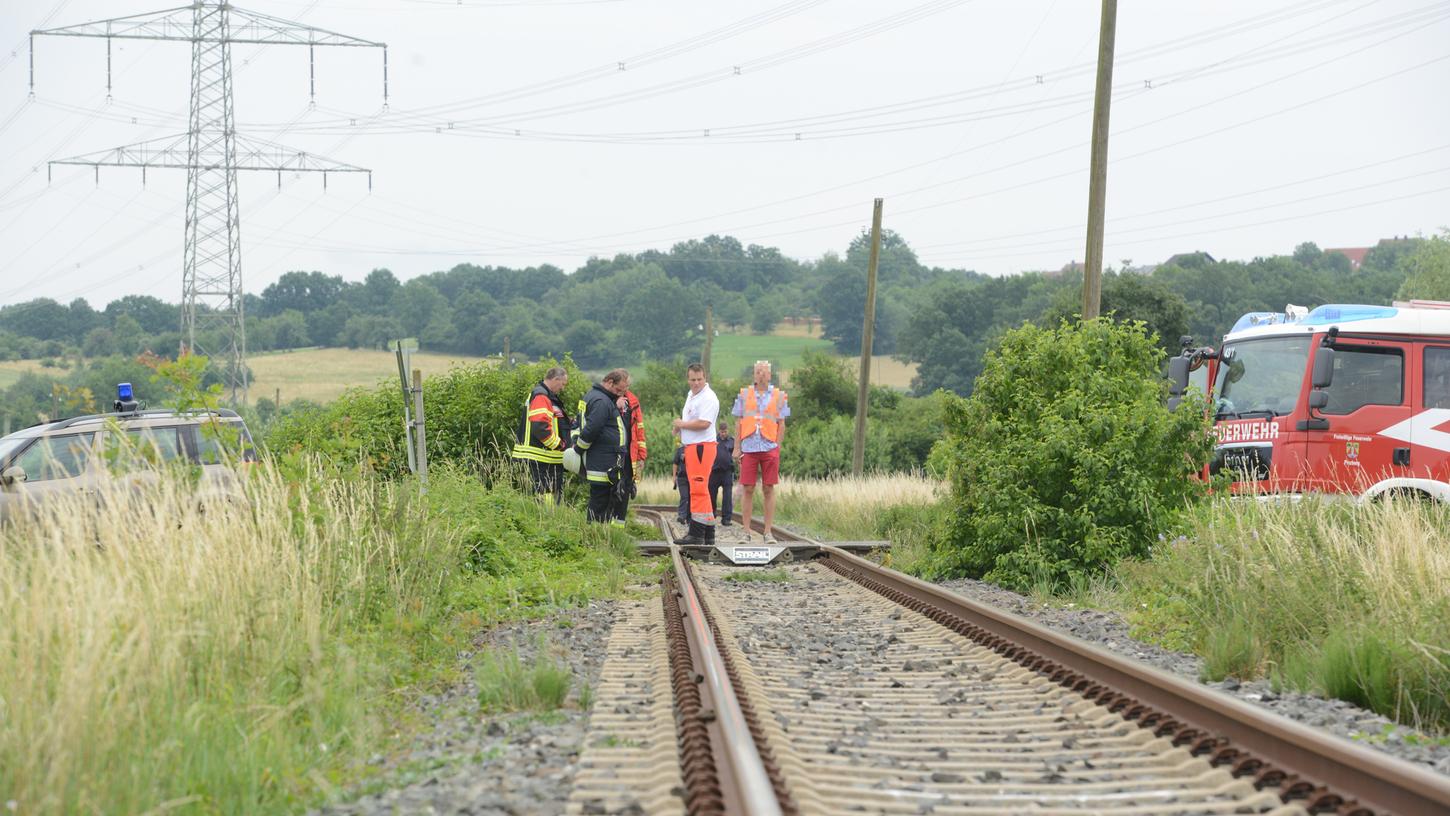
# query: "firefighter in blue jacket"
[[601, 441]]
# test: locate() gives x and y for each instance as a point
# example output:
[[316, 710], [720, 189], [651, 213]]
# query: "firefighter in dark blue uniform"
[[601, 440], [543, 434]]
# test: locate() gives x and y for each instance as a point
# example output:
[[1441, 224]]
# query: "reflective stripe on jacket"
[[765, 417], [543, 432]]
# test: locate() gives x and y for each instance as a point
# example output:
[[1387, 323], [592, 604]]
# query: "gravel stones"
[[1109, 631], [966, 730], [493, 765]]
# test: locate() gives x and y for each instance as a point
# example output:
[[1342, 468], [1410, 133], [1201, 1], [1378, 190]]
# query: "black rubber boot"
[[694, 538], [709, 534]]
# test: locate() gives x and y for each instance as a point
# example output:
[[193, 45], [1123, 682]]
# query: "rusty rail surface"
[[722, 766]]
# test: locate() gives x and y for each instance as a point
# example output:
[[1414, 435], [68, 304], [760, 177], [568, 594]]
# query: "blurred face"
[[618, 388], [696, 380], [762, 374], [557, 384]]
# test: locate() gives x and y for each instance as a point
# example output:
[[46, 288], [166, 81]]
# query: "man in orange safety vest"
[[762, 409]]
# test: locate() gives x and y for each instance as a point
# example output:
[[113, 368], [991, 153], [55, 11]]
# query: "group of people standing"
[[606, 446]]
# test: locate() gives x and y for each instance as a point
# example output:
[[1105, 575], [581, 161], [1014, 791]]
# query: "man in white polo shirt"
[[696, 427]]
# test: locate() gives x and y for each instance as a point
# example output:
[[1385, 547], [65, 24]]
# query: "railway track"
[[833, 685]]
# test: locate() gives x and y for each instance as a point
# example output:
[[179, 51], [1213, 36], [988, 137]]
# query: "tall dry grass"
[[840, 508], [162, 654], [1349, 600]]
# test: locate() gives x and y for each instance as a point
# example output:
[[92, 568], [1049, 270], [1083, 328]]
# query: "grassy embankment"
[[1347, 600], [242, 659]]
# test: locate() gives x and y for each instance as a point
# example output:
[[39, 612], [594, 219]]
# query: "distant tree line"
[[650, 305]]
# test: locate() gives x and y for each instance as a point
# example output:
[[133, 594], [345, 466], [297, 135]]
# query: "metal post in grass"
[[420, 434], [404, 349], [863, 386]]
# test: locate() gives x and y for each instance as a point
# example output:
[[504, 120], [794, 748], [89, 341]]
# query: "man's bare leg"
[[747, 498], [769, 507]]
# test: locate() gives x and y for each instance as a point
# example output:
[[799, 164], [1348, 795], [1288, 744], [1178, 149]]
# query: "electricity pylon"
[[211, 296]]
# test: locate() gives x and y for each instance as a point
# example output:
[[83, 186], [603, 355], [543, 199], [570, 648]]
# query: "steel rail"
[[1302, 762], [745, 770]]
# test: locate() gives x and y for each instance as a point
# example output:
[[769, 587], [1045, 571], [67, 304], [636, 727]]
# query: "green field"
[[733, 355]]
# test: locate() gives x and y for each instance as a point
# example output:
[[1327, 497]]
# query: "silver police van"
[[127, 448]]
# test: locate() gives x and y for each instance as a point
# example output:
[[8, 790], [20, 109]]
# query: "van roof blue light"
[[1347, 313], [123, 391]]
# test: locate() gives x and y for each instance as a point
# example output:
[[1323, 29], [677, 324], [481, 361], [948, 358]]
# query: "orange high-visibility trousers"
[[699, 459]]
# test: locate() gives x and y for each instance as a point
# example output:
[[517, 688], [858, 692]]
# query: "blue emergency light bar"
[[1346, 313], [123, 392]]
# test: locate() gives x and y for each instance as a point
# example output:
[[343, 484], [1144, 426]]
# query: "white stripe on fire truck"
[[1420, 429]]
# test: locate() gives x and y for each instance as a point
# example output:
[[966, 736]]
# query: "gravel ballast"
[[1109, 631], [469, 762]]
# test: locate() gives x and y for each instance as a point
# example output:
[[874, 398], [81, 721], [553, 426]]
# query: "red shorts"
[[768, 464]]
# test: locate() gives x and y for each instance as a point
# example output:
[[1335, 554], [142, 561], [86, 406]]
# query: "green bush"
[[1065, 459], [471, 412]]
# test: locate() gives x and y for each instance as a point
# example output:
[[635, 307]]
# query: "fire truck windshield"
[[1260, 378]]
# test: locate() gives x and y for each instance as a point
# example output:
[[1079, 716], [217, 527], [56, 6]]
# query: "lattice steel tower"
[[211, 297]]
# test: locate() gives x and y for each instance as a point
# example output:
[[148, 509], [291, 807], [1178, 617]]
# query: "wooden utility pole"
[[507, 357], [1092, 273], [709, 338], [868, 327]]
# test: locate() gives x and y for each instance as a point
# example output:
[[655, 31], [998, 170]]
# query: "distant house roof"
[[1354, 254], [1189, 259]]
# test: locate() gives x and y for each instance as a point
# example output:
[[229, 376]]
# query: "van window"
[[1366, 376], [1437, 377], [223, 442], [156, 444], [55, 457]]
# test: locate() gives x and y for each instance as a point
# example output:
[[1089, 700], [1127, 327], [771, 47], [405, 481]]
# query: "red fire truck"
[[1341, 399]]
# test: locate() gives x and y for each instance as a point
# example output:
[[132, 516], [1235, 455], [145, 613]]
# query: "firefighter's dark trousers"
[[625, 490], [721, 483], [548, 479], [682, 484], [602, 496]]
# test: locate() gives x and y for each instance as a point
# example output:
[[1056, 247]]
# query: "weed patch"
[[506, 682], [1347, 600]]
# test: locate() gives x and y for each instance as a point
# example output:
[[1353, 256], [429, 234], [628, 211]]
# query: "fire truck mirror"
[[1323, 367], [1178, 375], [1318, 400]]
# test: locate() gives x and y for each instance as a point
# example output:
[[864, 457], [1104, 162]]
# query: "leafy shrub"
[[471, 411], [1065, 459]]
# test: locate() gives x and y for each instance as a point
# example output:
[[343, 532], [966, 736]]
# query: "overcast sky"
[[512, 136]]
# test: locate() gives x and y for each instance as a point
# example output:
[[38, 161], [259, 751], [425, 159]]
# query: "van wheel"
[[1405, 494]]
